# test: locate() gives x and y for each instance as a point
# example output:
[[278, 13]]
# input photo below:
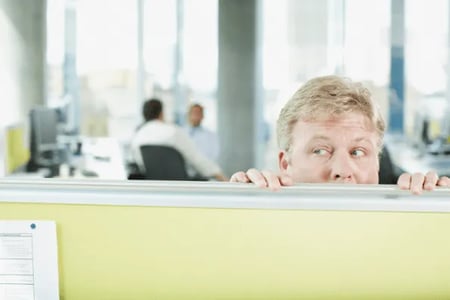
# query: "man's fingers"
[[404, 181], [239, 177], [262, 178], [431, 179], [257, 177], [417, 182], [444, 181], [273, 181], [414, 182]]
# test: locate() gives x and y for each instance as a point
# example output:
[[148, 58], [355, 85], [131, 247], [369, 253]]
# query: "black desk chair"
[[387, 174], [163, 163]]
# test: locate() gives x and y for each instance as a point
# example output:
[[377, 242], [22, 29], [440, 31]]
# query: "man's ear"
[[283, 162]]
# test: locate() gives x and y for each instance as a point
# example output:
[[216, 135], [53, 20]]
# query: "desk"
[[101, 158], [411, 159]]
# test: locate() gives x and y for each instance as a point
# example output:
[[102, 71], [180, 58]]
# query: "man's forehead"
[[328, 137], [344, 120], [356, 128]]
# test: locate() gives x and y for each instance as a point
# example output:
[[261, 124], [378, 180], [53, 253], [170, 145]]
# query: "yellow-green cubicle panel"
[[275, 250]]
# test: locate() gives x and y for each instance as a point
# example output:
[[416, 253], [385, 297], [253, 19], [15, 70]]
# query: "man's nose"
[[341, 168]]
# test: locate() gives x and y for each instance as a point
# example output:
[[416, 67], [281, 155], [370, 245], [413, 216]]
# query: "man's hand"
[[418, 182], [262, 179]]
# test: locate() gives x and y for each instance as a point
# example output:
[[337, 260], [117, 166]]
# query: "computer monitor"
[[44, 128], [44, 147]]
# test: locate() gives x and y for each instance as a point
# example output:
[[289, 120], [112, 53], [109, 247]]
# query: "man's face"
[[195, 116], [341, 149]]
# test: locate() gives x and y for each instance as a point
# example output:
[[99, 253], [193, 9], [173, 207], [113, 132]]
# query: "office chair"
[[163, 163], [387, 174]]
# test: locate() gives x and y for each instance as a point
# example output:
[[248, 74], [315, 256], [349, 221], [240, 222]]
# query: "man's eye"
[[320, 151], [357, 152]]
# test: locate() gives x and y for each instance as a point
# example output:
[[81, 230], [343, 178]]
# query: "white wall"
[[22, 58]]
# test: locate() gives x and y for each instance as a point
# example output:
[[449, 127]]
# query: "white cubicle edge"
[[223, 195]]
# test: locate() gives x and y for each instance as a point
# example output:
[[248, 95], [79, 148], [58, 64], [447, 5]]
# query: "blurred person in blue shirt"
[[206, 140]]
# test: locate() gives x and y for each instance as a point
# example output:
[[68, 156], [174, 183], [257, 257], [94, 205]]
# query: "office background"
[[241, 59]]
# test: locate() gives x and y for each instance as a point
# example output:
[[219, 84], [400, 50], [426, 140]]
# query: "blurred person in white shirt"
[[155, 131]]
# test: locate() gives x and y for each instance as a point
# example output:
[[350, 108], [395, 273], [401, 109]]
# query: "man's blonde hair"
[[327, 96]]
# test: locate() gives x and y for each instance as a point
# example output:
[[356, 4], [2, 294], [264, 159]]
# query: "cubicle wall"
[[167, 240]]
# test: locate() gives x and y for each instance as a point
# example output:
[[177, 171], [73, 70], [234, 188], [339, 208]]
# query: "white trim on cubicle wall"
[[223, 195]]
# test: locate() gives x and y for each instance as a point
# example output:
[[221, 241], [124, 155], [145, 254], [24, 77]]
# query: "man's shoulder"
[[155, 129], [156, 124]]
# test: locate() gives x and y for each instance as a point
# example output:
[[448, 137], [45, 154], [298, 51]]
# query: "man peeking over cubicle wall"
[[332, 131]]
